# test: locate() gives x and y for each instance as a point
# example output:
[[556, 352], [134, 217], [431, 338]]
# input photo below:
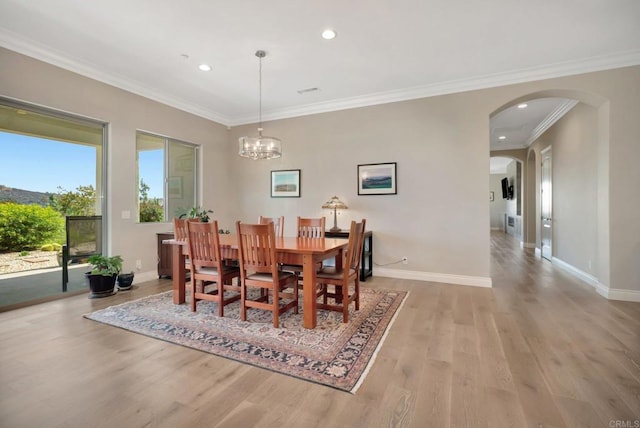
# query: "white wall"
[[575, 187]]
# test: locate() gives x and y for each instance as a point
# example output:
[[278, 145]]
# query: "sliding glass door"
[[51, 164]]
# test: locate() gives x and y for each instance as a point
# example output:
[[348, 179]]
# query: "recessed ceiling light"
[[502, 137], [523, 105], [204, 67], [328, 34]]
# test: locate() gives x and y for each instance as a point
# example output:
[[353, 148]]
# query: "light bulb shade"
[[259, 147], [335, 203]]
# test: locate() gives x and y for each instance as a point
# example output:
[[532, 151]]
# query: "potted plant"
[[196, 212], [125, 280], [102, 277]]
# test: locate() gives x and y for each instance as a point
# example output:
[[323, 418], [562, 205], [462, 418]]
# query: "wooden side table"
[[366, 264]]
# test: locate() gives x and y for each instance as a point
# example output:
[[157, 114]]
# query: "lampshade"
[[260, 147], [335, 204]]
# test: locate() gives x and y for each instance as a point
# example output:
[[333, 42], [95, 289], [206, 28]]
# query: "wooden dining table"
[[307, 252]]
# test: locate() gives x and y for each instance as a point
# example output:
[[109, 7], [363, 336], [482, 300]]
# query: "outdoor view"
[[41, 182]]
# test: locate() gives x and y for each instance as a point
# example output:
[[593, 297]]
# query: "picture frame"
[[491, 197], [175, 187], [285, 183], [377, 179]]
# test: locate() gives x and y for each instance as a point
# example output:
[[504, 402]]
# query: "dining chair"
[[311, 227], [278, 224], [180, 234], [207, 266], [341, 279], [259, 270], [307, 228]]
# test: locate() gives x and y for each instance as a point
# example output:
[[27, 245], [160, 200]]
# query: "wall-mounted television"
[[505, 188]]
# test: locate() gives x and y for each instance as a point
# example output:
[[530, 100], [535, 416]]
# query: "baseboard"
[[624, 295], [586, 277], [538, 253], [529, 244], [475, 281], [497, 228], [601, 289], [145, 276]]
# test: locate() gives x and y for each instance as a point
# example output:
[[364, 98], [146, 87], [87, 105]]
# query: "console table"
[[366, 264], [165, 257]]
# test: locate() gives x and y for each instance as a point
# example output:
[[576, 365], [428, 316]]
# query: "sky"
[[41, 165]]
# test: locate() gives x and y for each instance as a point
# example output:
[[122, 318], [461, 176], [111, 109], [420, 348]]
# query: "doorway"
[[52, 164], [546, 205]]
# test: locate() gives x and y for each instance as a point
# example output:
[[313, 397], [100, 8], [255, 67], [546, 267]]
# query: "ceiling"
[[384, 50]]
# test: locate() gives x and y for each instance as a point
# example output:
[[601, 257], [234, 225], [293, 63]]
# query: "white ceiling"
[[385, 50]]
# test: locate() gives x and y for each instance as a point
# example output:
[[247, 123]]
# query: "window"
[[167, 171]]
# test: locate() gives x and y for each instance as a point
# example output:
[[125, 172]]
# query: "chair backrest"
[[180, 227], [354, 248], [311, 227], [278, 224], [203, 245], [257, 248]]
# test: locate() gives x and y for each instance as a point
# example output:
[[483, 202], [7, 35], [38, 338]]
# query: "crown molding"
[[14, 42], [17, 43], [551, 118], [569, 68]]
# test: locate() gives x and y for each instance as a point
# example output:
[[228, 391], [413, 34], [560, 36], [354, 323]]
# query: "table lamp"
[[335, 204]]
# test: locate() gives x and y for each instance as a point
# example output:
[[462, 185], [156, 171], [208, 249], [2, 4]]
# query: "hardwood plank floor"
[[539, 349]]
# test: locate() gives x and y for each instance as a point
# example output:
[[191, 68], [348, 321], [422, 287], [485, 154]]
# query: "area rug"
[[334, 354]]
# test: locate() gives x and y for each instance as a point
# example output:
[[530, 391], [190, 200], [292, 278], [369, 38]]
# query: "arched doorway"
[[581, 183]]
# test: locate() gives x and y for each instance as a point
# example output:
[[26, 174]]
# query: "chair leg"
[[193, 295], [345, 303], [357, 291], [221, 297], [276, 307], [243, 300]]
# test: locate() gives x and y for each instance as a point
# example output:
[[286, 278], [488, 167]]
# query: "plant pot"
[[100, 285], [125, 281]]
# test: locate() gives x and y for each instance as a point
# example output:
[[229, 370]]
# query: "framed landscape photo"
[[285, 183], [377, 179]]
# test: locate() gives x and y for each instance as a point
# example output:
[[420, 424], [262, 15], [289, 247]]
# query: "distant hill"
[[25, 197]]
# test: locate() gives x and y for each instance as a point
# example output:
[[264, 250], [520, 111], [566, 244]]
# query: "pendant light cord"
[[260, 55]]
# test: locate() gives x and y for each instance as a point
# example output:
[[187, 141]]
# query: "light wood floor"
[[540, 349]]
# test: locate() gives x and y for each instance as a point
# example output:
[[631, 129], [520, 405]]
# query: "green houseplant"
[[103, 274], [197, 212]]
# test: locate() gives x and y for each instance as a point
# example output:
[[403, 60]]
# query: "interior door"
[[546, 198]]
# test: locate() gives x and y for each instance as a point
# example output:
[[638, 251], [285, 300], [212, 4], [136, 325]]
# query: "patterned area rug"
[[333, 354]]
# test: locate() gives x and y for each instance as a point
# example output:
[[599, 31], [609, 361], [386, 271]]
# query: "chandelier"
[[260, 147]]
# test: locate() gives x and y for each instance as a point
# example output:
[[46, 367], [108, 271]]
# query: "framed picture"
[[285, 183], [491, 196], [377, 179], [175, 187]]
